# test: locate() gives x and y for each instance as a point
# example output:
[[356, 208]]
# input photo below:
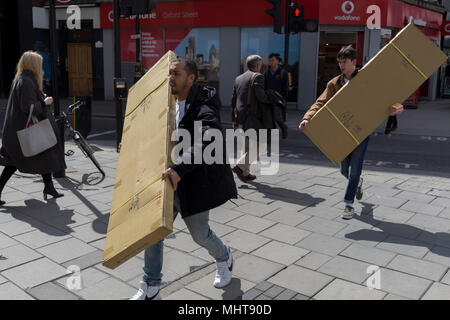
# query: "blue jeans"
[[351, 168], [198, 225]]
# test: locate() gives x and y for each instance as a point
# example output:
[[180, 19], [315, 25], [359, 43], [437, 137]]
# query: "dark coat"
[[278, 81], [203, 186], [24, 92], [259, 114]]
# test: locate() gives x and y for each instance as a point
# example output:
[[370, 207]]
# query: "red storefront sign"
[[445, 28], [198, 13]]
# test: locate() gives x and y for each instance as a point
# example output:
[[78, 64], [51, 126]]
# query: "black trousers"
[[9, 171], [392, 122]]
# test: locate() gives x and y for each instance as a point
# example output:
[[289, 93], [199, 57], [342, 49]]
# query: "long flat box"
[[361, 105], [142, 205]]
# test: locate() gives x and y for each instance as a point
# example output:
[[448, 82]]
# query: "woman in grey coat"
[[25, 91]]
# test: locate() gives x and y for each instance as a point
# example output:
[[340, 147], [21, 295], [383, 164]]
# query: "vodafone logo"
[[348, 7], [63, 1], [111, 16], [447, 28]]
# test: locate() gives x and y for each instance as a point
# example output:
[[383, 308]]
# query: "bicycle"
[[76, 136]]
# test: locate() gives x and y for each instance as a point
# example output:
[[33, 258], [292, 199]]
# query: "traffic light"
[[297, 21], [275, 12], [134, 7]]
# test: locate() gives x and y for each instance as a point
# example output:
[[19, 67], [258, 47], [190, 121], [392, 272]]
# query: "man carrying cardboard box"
[[198, 187], [351, 166]]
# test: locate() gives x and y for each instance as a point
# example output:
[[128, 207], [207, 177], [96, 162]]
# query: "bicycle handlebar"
[[73, 106]]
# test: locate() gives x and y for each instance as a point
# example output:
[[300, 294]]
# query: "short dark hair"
[[276, 55], [190, 66], [347, 52]]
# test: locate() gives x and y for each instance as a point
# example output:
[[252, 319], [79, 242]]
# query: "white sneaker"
[[146, 293], [348, 213], [223, 273]]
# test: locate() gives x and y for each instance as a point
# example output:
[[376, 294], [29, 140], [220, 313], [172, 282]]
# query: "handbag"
[[37, 137]]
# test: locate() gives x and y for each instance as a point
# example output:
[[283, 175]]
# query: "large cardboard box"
[[142, 205], [359, 107]]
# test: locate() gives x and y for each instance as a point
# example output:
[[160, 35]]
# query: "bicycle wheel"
[[87, 150]]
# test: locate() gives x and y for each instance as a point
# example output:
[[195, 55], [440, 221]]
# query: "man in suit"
[[250, 110]]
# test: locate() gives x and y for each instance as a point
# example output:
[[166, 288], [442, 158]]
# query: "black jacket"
[[24, 92], [203, 186]]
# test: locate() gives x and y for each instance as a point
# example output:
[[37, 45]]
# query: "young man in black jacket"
[[198, 187]]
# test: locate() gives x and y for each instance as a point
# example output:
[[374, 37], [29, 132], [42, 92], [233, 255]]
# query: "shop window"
[[263, 41], [201, 45]]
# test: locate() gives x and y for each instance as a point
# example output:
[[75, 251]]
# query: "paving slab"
[[280, 252], [322, 212], [391, 202], [185, 294], [426, 221], [445, 279], [438, 291], [345, 290], [223, 215], [6, 241], [51, 291], [291, 218], [60, 253], [233, 291], [88, 277], [423, 208], [34, 273], [313, 260], [441, 202], [323, 244], [298, 279], [255, 269], [403, 284], [439, 255], [9, 291], [16, 255], [322, 226], [415, 196], [257, 209], [285, 233], [417, 267], [108, 289], [251, 223], [40, 238], [399, 229], [368, 237], [368, 254], [346, 269], [86, 261], [395, 215], [404, 246], [244, 241]]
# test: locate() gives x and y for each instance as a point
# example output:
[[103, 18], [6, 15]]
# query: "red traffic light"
[[297, 12]]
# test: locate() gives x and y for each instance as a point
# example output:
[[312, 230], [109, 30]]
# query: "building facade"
[[219, 35]]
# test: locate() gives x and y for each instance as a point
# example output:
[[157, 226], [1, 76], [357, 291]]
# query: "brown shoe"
[[239, 174]]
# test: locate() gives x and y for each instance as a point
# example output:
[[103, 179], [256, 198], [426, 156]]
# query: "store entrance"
[[330, 44]]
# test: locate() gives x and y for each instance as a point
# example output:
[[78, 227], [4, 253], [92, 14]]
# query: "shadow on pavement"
[[53, 216], [284, 195], [388, 227], [233, 290], [98, 224]]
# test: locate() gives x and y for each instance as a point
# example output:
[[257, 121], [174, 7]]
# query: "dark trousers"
[[392, 122], [9, 171], [351, 168]]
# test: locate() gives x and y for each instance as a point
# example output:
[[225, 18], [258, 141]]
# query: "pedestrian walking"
[[391, 124], [26, 90], [250, 109], [277, 79], [351, 166], [198, 187]]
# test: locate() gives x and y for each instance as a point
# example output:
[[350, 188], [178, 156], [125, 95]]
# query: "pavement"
[[287, 237]]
